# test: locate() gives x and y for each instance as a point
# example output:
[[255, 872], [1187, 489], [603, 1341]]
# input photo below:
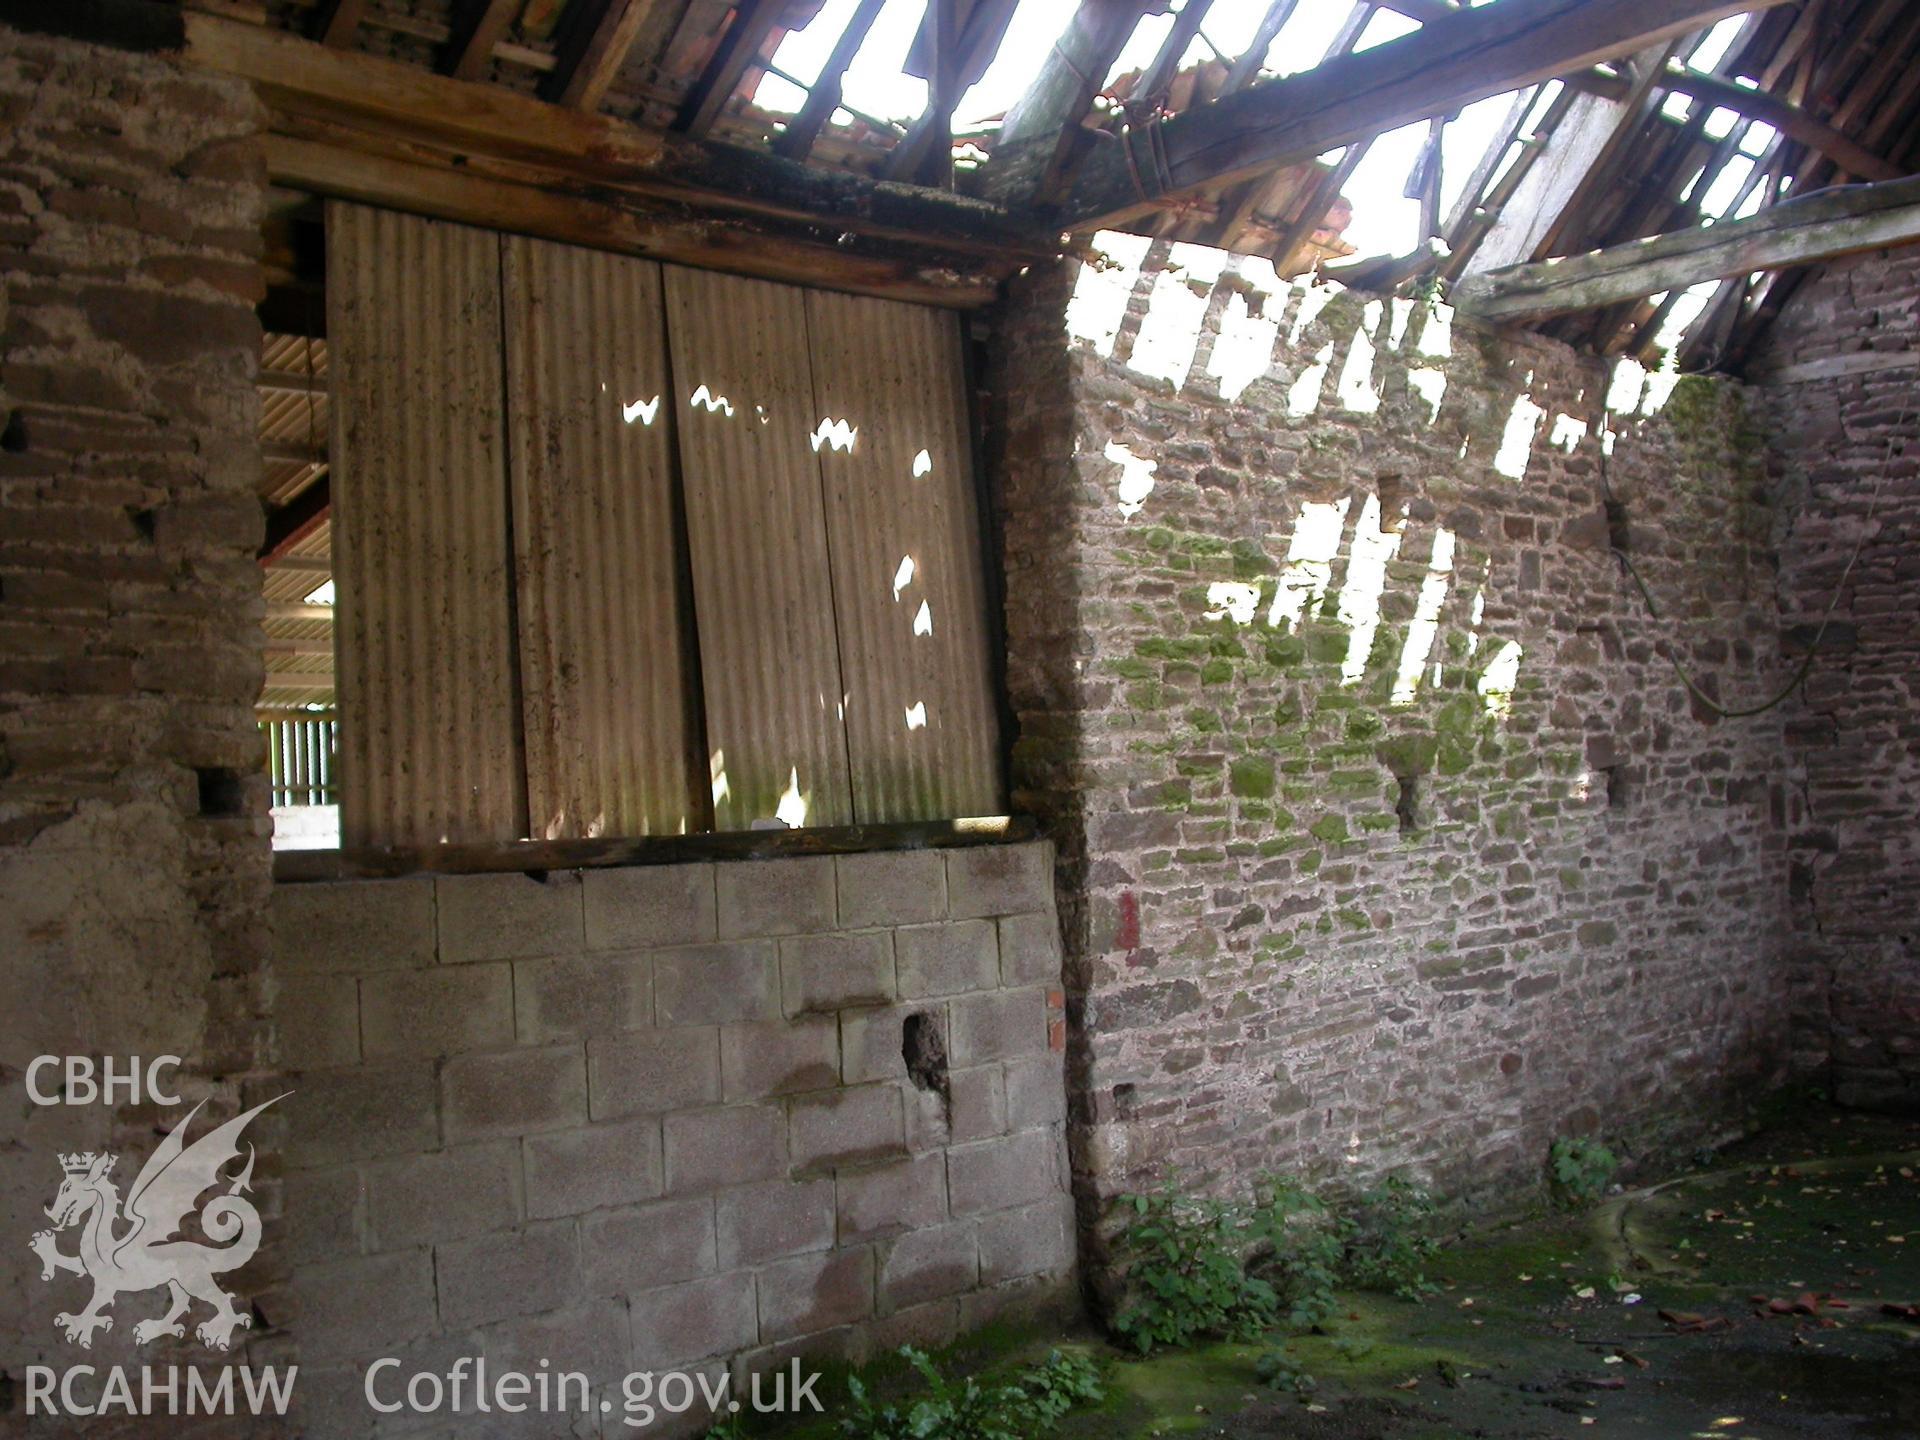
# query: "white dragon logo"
[[147, 1255]]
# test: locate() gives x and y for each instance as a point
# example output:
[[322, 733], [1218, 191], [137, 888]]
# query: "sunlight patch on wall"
[[902, 577], [923, 619], [917, 715], [1516, 442], [1313, 299], [836, 433], [793, 806], [1426, 619], [1176, 312], [1136, 478], [1431, 386], [712, 402], [1436, 335], [1303, 396], [922, 464], [1497, 681], [1355, 391], [641, 410], [1234, 600], [1568, 432], [717, 770], [1367, 561], [1402, 316], [1309, 568], [1104, 286]]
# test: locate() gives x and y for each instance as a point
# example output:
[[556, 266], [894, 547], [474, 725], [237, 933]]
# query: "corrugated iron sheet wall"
[[922, 732], [757, 534], [532, 665], [603, 662], [431, 745]]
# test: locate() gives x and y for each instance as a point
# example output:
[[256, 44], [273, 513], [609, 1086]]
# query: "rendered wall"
[[133, 825], [660, 1118], [1569, 918], [1845, 424]]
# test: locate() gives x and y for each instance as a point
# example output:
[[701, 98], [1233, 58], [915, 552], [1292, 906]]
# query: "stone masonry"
[[1849, 478], [1389, 839], [664, 1117], [134, 863]]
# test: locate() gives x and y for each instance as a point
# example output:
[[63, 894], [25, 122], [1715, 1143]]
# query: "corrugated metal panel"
[[430, 747], [603, 664], [770, 665], [905, 537]]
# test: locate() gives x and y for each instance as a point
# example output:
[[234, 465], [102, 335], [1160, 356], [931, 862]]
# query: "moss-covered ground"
[[1766, 1293]]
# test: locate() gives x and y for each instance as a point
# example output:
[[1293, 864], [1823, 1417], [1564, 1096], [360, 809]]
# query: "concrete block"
[[1030, 949], [927, 1265], [678, 1323], [647, 907], [716, 984], [775, 897], [949, 959], [887, 1199], [820, 973], [757, 1223], [1034, 1240], [445, 1195], [641, 1246], [338, 1115], [574, 997], [322, 1212], [871, 1041], [510, 1272], [514, 1092], [901, 887], [594, 1338], [841, 1127], [1000, 879], [505, 917], [738, 1145], [364, 1307], [932, 1326], [928, 1124], [1036, 1091], [447, 1010], [978, 1102], [1000, 1174], [812, 1293], [779, 1057], [569, 1172], [998, 1025], [317, 1021], [653, 1071], [352, 926]]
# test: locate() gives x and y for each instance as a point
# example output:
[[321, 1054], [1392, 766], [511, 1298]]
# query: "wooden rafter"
[[739, 47], [1460, 58], [985, 28], [1246, 69], [594, 41], [823, 97], [1820, 226], [480, 27], [339, 21], [289, 524]]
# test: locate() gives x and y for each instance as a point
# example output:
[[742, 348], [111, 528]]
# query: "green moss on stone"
[[1251, 776]]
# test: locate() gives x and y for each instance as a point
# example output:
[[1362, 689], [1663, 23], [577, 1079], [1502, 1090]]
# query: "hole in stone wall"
[[925, 1052], [1407, 806], [143, 521], [1617, 529], [223, 792], [13, 439], [1619, 788], [1123, 1100]]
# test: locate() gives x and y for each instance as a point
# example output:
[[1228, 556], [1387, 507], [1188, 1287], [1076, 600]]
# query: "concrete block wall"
[[1837, 371], [1329, 911], [663, 1117]]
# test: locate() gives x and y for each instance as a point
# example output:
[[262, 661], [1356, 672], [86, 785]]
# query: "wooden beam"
[[1815, 227], [285, 645], [593, 47], [295, 610], [292, 382], [597, 172], [739, 47], [292, 452], [339, 21], [1837, 367], [482, 26], [289, 524], [1244, 70], [299, 680], [1445, 66], [986, 28], [823, 97]]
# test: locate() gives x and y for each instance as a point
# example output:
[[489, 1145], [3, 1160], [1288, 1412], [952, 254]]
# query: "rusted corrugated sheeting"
[[430, 743], [764, 602], [902, 521], [604, 671]]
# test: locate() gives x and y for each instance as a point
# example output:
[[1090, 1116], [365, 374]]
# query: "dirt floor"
[[1771, 1293]]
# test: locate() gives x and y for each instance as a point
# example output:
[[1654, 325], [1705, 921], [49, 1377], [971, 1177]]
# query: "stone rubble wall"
[[661, 1117], [1316, 927], [1848, 476], [134, 860]]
